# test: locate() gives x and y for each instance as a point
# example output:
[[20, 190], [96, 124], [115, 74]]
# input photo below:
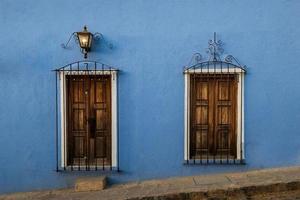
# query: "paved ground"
[[281, 183]]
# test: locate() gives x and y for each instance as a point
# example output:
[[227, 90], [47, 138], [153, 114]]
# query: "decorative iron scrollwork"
[[215, 52], [96, 37], [232, 59], [215, 49], [196, 58]]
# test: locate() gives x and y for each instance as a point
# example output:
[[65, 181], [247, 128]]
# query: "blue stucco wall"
[[152, 41]]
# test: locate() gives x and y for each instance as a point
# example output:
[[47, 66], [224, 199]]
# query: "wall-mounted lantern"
[[85, 40]]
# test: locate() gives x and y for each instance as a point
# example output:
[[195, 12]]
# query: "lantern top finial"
[[85, 28]]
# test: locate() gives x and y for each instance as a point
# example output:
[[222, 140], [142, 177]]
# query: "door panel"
[[225, 116], [76, 120], [212, 115], [88, 120], [100, 111], [200, 118]]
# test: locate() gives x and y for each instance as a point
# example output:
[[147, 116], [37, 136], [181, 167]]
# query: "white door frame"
[[240, 108], [114, 108]]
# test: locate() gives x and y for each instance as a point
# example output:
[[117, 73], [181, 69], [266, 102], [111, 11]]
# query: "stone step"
[[86, 184]]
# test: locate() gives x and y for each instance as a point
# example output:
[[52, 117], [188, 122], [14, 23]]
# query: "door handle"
[[92, 126]]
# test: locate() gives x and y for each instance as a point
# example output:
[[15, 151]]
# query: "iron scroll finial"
[[196, 58], [215, 49]]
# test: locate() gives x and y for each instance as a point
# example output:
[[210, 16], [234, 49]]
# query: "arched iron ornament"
[[215, 60], [83, 68], [214, 67]]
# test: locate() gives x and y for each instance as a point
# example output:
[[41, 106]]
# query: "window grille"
[[86, 102], [214, 108]]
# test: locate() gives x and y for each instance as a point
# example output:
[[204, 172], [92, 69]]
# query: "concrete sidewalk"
[[280, 183]]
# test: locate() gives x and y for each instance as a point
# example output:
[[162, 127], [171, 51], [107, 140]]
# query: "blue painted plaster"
[[152, 41]]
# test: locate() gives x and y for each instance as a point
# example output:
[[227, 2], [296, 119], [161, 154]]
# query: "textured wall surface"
[[152, 41]]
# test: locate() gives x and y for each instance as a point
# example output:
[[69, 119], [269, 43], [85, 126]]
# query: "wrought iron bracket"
[[96, 37]]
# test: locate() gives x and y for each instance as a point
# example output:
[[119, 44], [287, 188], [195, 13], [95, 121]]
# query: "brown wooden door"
[[88, 120], [213, 116]]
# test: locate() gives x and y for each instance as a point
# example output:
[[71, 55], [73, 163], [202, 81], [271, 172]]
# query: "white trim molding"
[[224, 70], [240, 108], [114, 113]]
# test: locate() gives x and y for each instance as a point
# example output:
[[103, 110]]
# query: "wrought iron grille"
[[214, 108], [86, 102]]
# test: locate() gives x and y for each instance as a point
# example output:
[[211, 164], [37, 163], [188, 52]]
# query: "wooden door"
[[88, 120], [213, 116]]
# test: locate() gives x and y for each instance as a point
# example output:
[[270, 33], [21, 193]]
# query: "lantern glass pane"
[[90, 41], [84, 40]]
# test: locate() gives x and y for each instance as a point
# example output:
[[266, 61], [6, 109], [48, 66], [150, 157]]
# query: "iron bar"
[[189, 128], [208, 110], [56, 121], [194, 118], [111, 78], [235, 123], [86, 101], [94, 87], [220, 131], [228, 128], [105, 124], [201, 124], [117, 128], [241, 118], [70, 110], [64, 118], [78, 114]]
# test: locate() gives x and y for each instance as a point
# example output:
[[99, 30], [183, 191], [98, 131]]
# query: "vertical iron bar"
[[241, 116], [64, 118], [201, 124], [94, 87], [228, 124], [214, 114], [85, 118], [117, 129], [78, 108], [86, 103], [194, 116], [208, 110], [102, 78], [220, 131], [70, 113], [56, 121], [189, 124], [201, 139], [234, 123], [110, 78], [185, 73]]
